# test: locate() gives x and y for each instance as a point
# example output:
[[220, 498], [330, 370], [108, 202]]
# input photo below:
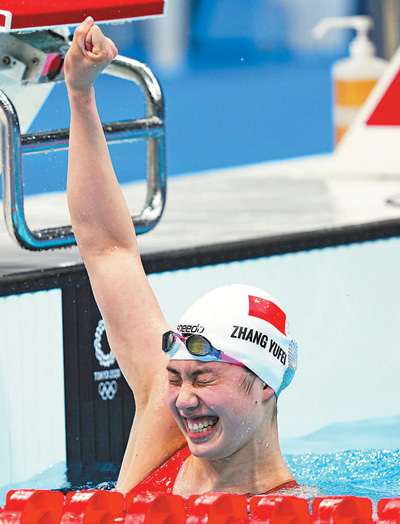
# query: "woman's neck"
[[256, 468]]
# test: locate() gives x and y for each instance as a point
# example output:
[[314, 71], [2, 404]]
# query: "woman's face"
[[215, 413]]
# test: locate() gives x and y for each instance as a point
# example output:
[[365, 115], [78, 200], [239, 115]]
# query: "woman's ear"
[[267, 392]]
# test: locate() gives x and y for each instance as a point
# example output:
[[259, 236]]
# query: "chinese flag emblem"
[[268, 311]]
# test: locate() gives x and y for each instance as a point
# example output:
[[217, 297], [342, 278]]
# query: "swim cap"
[[247, 324]]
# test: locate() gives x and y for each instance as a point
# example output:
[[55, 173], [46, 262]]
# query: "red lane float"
[[217, 508], [342, 510], [389, 511], [93, 507], [276, 509], [33, 507], [155, 508], [110, 507]]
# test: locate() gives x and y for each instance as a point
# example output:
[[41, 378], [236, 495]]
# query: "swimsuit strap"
[[163, 478], [286, 485]]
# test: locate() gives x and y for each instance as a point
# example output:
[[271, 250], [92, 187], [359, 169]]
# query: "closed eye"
[[174, 377], [199, 378], [204, 381], [174, 382], [203, 376]]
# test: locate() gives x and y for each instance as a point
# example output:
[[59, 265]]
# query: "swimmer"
[[206, 392]]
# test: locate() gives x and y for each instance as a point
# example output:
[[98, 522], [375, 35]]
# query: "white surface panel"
[[32, 413]]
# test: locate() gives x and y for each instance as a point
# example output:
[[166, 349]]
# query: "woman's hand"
[[90, 53]]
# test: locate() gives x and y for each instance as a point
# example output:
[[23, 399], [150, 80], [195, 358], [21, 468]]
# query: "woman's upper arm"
[[133, 318]]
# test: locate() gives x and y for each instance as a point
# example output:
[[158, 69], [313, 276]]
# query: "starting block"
[[34, 38], [17, 15]]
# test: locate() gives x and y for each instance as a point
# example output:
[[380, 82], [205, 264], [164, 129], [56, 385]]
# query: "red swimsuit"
[[164, 477]]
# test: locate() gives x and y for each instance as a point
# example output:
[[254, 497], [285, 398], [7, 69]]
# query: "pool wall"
[[32, 402]]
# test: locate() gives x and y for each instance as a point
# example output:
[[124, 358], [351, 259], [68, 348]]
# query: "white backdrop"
[[32, 412]]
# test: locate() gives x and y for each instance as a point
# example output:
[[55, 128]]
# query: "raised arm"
[[107, 242]]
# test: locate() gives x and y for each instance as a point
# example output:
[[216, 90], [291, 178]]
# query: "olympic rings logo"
[[107, 390], [105, 360]]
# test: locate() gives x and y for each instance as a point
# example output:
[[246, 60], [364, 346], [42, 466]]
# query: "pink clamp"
[[277, 509]]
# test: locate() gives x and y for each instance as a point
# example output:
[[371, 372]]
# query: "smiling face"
[[213, 410]]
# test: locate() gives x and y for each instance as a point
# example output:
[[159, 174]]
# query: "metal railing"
[[14, 145]]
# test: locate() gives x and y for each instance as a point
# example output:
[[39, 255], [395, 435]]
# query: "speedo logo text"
[[261, 339], [188, 328]]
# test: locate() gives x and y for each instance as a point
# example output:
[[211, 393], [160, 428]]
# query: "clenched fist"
[[90, 53]]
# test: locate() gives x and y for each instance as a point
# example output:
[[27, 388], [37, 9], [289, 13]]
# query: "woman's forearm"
[[99, 214]]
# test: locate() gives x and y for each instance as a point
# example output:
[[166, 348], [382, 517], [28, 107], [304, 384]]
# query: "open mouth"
[[201, 425]]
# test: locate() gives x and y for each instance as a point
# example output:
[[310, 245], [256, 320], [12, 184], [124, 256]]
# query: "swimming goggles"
[[198, 346]]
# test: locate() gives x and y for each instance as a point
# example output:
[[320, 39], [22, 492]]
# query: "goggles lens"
[[168, 340], [197, 345]]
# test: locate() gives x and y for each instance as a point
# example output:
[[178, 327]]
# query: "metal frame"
[[14, 145]]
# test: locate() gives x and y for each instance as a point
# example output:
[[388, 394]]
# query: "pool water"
[[360, 458], [373, 473]]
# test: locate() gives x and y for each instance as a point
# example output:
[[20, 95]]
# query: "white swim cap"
[[245, 323]]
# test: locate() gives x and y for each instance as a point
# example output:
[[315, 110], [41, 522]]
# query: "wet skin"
[[217, 417]]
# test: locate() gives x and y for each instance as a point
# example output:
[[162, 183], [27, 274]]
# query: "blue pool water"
[[360, 458], [369, 471]]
